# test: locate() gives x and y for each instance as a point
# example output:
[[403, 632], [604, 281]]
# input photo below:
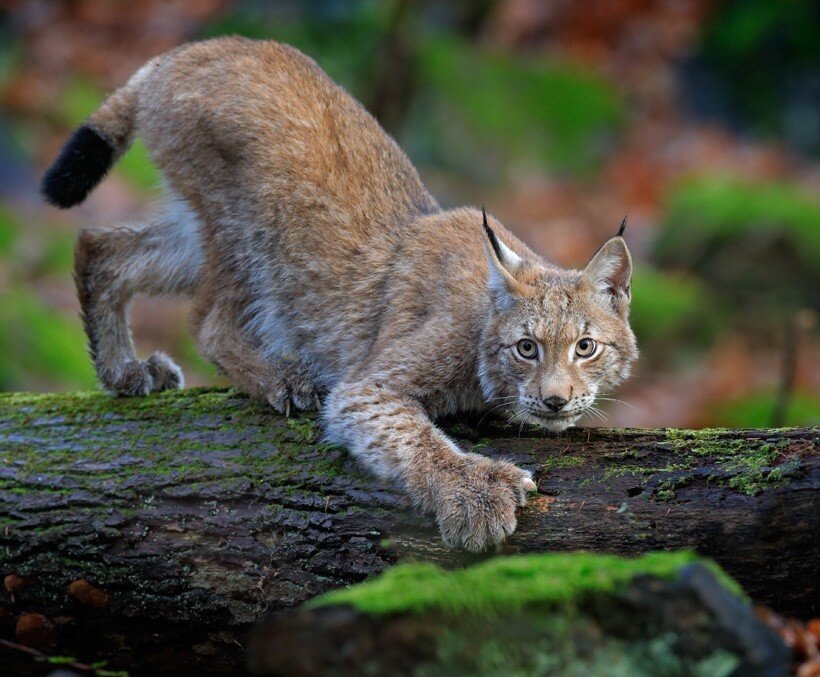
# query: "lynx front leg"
[[473, 497], [110, 266]]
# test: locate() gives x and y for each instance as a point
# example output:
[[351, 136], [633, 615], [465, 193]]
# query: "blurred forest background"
[[700, 120]]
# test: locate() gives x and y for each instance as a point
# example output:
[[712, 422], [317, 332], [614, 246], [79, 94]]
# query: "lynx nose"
[[555, 403]]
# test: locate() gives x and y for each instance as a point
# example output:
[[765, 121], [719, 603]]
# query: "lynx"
[[324, 275]]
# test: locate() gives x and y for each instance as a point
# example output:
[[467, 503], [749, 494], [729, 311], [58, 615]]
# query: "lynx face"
[[556, 339]]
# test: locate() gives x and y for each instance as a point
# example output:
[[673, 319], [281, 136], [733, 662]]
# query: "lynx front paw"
[[294, 389], [475, 504], [140, 377]]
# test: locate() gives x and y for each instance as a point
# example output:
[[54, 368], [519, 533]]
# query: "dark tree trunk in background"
[[156, 531]]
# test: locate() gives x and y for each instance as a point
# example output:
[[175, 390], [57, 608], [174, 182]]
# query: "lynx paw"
[[294, 389], [140, 377], [475, 505]]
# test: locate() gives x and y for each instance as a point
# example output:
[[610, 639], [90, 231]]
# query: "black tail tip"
[[83, 162]]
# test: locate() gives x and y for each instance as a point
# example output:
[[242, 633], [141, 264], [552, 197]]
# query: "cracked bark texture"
[[196, 513]]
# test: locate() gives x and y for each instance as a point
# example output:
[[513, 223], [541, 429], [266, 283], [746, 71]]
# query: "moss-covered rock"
[[507, 584], [665, 613]]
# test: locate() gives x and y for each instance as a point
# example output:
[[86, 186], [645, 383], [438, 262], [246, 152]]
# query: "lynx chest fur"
[[324, 275]]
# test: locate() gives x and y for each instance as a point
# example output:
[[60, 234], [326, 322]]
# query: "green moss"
[[563, 461], [567, 645], [704, 442], [304, 428], [167, 447], [747, 466], [503, 585]]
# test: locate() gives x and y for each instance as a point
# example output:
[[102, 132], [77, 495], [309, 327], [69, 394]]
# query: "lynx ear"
[[610, 273], [504, 264]]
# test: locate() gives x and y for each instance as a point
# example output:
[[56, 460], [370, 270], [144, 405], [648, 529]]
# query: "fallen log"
[[155, 531]]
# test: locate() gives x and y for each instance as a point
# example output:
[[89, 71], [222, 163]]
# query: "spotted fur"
[[321, 269]]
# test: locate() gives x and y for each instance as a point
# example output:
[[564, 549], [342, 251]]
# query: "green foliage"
[[671, 307], [551, 111], [542, 110], [136, 167], [58, 254], [344, 43], [9, 231], [40, 344], [709, 211], [189, 358], [98, 668], [757, 245], [10, 55], [738, 31], [505, 584], [755, 410], [755, 50], [79, 99]]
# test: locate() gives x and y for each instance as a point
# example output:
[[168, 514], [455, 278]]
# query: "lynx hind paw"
[[476, 508], [141, 377], [294, 390]]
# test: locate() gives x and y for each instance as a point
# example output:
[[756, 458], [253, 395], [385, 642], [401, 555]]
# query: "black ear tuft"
[[622, 228], [491, 235], [82, 163]]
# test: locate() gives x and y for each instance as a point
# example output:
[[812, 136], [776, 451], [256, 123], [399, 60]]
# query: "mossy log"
[[557, 614], [156, 531]]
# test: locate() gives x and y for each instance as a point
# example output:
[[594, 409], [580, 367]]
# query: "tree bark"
[[154, 532]]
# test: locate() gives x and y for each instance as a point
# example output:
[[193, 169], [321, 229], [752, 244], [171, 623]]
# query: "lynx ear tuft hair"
[[622, 228], [491, 236]]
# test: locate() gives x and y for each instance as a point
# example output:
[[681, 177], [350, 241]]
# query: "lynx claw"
[[291, 388], [475, 509]]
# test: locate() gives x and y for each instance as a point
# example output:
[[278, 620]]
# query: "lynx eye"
[[527, 349], [585, 347]]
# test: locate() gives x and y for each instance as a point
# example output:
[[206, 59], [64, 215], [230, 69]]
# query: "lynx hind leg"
[[110, 267], [285, 383]]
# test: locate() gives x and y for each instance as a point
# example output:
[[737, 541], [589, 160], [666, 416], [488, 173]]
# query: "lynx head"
[[555, 339]]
